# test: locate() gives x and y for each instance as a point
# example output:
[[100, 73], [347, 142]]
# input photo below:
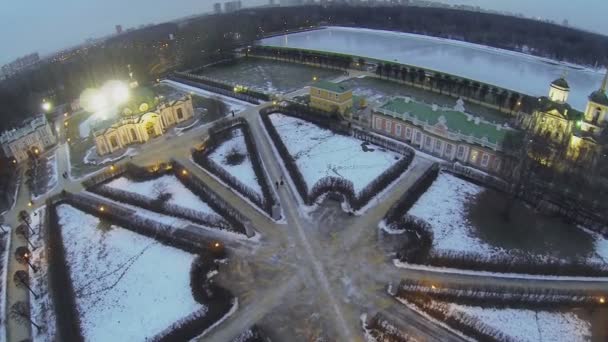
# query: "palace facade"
[[442, 132], [32, 138], [114, 135]]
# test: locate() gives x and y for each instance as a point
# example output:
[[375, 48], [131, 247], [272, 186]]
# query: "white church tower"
[[559, 90]]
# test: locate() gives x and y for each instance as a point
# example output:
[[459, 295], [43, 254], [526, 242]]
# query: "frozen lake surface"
[[516, 71]]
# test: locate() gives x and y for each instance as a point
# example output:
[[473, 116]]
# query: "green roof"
[[457, 122], [331, 86]]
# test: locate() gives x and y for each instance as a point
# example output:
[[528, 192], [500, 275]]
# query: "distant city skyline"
[[28, 26]]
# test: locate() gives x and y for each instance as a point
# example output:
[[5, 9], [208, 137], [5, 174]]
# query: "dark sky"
[[48, 25]]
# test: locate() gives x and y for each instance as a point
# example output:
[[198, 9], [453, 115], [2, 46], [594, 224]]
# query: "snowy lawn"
[[243, 169], [320, 153], [528, 325], [128, 287], [445, 204], [180, 195]]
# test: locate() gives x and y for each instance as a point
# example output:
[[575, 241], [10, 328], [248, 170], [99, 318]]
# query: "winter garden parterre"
[[222, 241]]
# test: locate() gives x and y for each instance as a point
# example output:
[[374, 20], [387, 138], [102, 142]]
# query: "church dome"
[[561, 82], [599, 97]]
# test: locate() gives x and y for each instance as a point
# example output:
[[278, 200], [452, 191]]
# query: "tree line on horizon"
[[156, 51]]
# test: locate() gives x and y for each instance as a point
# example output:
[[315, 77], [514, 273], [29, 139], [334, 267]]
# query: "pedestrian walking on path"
[[276, 184]]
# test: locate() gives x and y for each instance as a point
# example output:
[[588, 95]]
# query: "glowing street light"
[[314, 78], [46, 106], [102, 208], [184, 172], [602, 300]]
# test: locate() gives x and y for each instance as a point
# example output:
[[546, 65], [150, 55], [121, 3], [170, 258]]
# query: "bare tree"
[[161, 191], [23, 231], [23, 256], [22, 278], [20, 312], [25, 218]]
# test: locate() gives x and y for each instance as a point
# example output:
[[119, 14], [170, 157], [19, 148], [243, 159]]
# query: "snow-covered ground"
[[443, 206], [320, 153], [243, 171], [235, 105], [128, 287], [527, 325], [180, 195]]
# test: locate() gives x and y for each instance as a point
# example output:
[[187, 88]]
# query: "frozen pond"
[[522, 73]]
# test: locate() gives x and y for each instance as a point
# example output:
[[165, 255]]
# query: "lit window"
[[474, 156], [388, 126]]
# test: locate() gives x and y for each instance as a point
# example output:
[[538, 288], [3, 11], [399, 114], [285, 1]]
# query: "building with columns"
[[129, 129], [33, 137], [442, 132]]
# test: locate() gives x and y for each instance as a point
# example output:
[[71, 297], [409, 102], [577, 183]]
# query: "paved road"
[[308, 277]]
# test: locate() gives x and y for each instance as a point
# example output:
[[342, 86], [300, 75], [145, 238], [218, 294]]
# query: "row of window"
[[433, 145], [319, 94]]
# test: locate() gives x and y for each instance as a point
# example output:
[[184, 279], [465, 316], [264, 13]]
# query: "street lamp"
[[602, 300], [184, 172], [46, 106], [314, 78], [102, 209]]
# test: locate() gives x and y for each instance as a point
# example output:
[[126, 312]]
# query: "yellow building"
[[113, 135], [331, 97]]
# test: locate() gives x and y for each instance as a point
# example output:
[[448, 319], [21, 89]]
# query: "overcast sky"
[[48, 25]]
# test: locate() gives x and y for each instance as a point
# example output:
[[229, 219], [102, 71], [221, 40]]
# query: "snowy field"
[[243, 171], [181, 195], [320, 153], [234, 104], [523, 73], [128, 287], [531, 326], [444, 207]]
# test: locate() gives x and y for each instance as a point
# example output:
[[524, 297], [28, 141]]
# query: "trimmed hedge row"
[[466, 324], [418, 248], [60, 284], [219, 134], [217, 299], [516, 297], [205, 219], [420, 186], [217, 203], [139, 174], [514, 264], [331, 184], [250, 96], [382, 330]]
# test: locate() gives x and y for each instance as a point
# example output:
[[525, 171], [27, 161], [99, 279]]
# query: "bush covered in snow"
[[420, 186], [486, 295], [419, 242], [162, 207], [230, 218], [516, 264], [381, 330], [218, 134], [253, 334]]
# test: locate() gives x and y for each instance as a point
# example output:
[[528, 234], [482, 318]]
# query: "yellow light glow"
[[433, 287], [117, 92], [29, 204], [217, 244], [69, 139], [65, 124], [46, 106], [112, 167], [184, 172], [102, 208], [602, 300]]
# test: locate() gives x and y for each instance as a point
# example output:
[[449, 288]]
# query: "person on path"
[[281, 182], [276, 184]]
